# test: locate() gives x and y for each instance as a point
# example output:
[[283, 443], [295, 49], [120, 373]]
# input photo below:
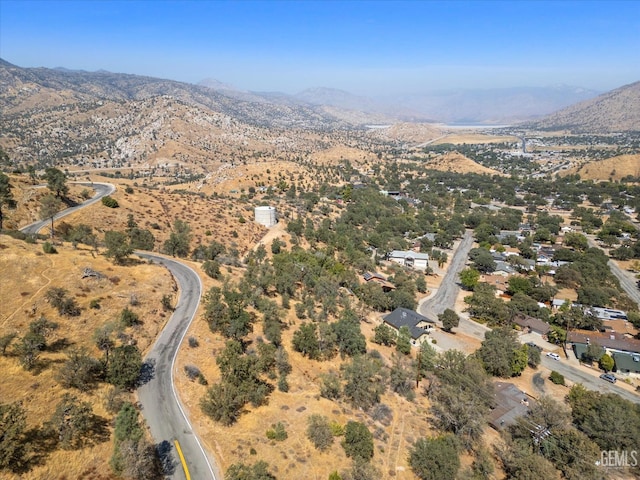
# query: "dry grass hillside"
[[27, 197], [153, 209], [458, 138], [614, 168], [338, 154], [456, 162], [296, 457], [408, 132], [614, 111], [23, 300]]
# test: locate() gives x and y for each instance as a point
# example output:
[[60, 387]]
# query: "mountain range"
[[69, 116], [614, 111], [472, 106]]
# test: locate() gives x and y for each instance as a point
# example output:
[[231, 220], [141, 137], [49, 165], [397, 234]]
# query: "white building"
[[266, 216], [416, 260]]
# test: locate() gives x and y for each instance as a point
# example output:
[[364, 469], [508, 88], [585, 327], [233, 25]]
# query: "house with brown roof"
[[386, 285], [531, 324], [624, 349]]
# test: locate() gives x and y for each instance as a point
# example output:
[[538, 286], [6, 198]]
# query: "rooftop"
[[403, 317], [610, 340], [510, 403]]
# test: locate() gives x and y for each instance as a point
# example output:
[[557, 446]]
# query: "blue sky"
[[365, 47]]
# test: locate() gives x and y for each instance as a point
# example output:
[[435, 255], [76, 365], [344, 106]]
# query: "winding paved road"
[[102, 189], [161, 406]]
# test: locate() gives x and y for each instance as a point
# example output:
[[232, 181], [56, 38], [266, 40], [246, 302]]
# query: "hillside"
[[614, 168], [614, 111], [456, 162], [137, 286], [103, 119]]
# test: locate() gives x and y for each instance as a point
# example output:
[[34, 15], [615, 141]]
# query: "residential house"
[[499, 281], [418, 325], [510, 403], [531, 324], [624, 349], [410, 259], [504, 235], [386, 285], [504, 269]]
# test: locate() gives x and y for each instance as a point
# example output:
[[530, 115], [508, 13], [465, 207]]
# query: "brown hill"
[[103, 119], [614, 168], [614, 111], [456, 162], [138, 286]]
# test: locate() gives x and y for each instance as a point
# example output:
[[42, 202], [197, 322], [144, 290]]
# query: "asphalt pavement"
[[102, 189], [161, 406], [447, 293], [448, 290]]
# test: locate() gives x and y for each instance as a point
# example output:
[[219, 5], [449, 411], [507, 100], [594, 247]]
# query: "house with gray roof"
[[418, 325], [509, 403]]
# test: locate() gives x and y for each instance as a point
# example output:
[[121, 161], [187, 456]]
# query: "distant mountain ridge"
[[477, 106], [18, 84], [495, 105], [614, 111], [60, 115]]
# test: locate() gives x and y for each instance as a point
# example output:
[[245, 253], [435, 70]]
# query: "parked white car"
[[553, 355]]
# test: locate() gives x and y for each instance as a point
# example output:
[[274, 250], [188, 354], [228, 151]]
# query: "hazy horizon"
[[365, 48]]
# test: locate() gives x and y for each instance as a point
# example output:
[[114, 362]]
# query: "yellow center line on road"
[[184, 463]]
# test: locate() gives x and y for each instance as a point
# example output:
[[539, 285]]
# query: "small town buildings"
[[407, 258], [624, 350], [418, 325]]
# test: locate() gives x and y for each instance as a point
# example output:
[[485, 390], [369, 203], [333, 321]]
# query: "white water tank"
[[266, 216]]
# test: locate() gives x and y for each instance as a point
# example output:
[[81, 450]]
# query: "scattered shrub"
[[129, 318], [556, 378], [277, 432], [192, 372], [319, 431], [193, 342], [337, 429], [110, 202], [95, 304], [166, 303], [283, 385], [48, 248]]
